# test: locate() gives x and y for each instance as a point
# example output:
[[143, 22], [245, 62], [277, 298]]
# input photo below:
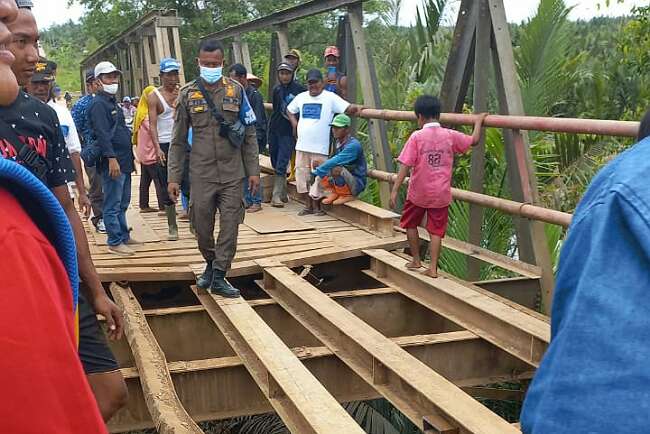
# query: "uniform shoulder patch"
[[196, 95]]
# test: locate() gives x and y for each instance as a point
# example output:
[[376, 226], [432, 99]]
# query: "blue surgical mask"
[[211, 75]]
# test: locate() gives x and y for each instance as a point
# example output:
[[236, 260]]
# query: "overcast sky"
[[50, 12]]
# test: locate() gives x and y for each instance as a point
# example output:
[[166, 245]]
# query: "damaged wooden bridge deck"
[[329, 315]]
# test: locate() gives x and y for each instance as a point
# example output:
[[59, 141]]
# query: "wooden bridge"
[[329, 313]]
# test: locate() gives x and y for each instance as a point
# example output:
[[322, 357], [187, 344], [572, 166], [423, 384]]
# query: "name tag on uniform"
[[199, 109]]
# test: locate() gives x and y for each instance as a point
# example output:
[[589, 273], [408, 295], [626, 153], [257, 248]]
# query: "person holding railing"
[[429, 156]]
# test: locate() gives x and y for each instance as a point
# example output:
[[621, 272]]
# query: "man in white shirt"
[[316, 108], [41, 87]]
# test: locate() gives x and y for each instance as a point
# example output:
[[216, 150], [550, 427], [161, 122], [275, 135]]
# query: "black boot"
[[205, 280], [220, 285]]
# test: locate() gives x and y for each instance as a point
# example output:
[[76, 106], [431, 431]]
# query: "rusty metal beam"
[[300, 400], [461, 357], [411, 386], [520, 334], [162, 402]]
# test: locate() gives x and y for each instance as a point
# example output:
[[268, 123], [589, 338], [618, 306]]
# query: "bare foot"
[[413, 265], [430, 273]]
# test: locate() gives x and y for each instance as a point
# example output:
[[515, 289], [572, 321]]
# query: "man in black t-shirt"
[[37, 127]]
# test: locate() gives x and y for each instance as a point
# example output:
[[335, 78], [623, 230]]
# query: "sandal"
[[320, 213], [305, 212]]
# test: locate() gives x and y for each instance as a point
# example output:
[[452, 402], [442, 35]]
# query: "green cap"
[[341, 121]]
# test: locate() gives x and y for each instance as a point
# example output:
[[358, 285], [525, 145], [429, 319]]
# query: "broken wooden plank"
[[165, 408]]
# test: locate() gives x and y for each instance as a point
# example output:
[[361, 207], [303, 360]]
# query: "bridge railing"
[[528, 123]]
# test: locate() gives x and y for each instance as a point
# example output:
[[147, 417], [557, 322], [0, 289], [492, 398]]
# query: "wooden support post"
[[246, 56], [283, 39], [381, 150], [179, 54], [520, 334], [531, 237], [416, 390], [297, 396], [458, 71], [165, 408], [481, 84], [276, 58], [236, 49]]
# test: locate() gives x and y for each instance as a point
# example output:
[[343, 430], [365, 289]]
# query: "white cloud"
[[49, 12]]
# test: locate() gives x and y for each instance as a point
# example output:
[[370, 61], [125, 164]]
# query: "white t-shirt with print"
[[316, 114]]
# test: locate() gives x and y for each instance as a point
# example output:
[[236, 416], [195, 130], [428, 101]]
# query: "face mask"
[[110, 88], [211, 75]]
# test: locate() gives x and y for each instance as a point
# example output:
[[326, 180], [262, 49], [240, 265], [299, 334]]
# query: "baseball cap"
[[44, 71], [332, 51], [105, 68], [25, 4], [169, 64], [284, 66], [294, 53], [314, 74], [341, 121], [126, 99]]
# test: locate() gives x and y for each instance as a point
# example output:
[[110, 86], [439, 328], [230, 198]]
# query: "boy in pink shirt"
[[429, 155]]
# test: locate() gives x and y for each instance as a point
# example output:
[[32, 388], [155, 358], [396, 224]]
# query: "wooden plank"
[[302, 402], [522, 335], [165, 408], [141, 230], [382, 155], [270, 222], [531, 235], [415, 389], [283, 39], [481, 91]]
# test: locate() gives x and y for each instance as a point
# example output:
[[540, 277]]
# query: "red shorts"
[[437, 218]]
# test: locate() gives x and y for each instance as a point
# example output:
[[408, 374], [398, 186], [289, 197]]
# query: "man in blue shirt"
[[109, 129], [344, 174], [80, 116], [595, 375]]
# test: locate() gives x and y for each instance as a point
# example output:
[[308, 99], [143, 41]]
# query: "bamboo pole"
[[529, 123], [507, 206]]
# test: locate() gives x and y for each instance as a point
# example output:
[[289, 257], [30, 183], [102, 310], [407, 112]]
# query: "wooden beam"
[[416, 390], [382, 155], [283, 39], [461, 357], [531, 236], [304, 10], [522, 335], [179, 54], [458, 70], [302, 402], [165, 408], [246, 57], [481, 91], [236, 49]]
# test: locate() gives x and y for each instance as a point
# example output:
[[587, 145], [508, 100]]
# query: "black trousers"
[[154, 173]]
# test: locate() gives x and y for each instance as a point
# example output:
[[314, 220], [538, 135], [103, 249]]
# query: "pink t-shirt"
[[145, 151], [430, 154]]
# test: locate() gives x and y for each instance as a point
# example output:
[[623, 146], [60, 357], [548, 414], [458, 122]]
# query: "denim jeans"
[[117, 196], [249, 198], [281, 149]]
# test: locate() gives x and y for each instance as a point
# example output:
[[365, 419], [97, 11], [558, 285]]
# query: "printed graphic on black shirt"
[[37, 126]]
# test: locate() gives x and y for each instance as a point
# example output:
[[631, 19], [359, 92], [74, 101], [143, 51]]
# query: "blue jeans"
[[281, 149], [117, 196], [249, 198]]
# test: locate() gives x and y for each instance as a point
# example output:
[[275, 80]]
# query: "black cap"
[[90, 75], [314, 74], [44, 71], [284, 66], [25, 4]]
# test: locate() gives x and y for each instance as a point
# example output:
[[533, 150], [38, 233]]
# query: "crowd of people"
[[200, 143]]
